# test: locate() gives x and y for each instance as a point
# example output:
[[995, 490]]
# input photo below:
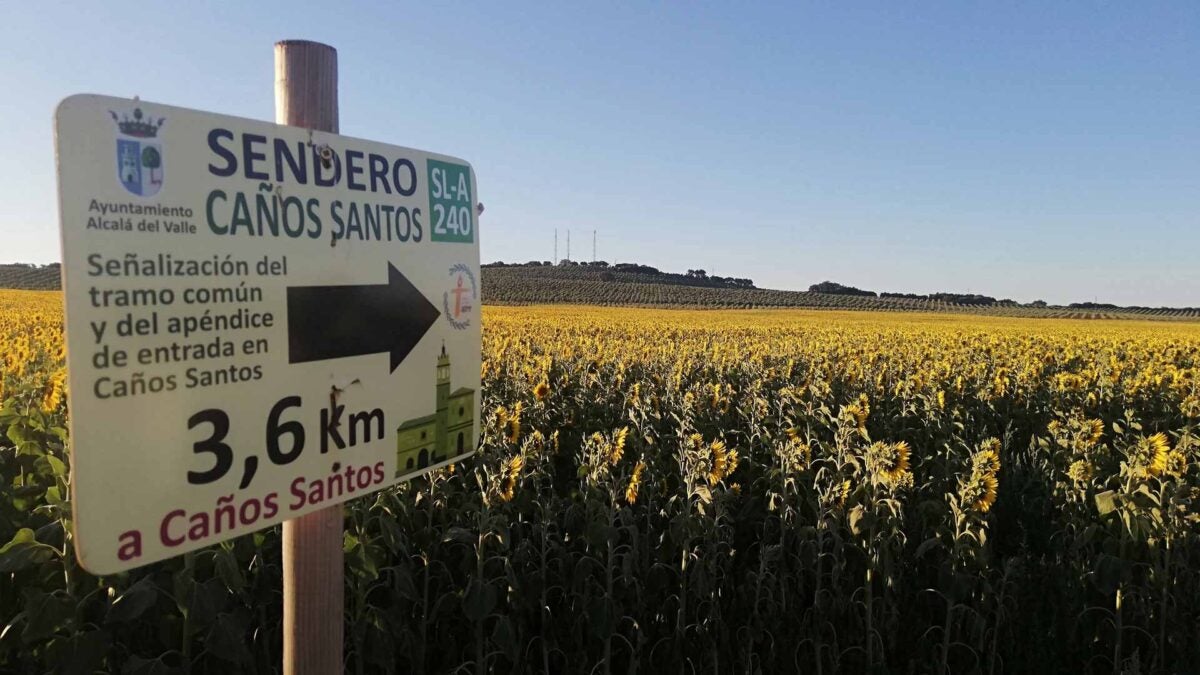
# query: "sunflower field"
[[767, 491]]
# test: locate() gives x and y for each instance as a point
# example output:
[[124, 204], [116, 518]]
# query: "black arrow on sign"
[[332, 322]]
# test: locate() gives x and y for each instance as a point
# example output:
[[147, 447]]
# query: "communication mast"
[[555, 247], [593, 247]]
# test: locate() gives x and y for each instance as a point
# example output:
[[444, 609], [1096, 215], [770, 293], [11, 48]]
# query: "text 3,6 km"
[[285, 438]]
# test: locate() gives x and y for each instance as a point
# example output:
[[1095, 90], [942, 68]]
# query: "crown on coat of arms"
[[136, 126]]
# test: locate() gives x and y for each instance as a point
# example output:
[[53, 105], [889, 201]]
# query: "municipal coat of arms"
[[139, 153]]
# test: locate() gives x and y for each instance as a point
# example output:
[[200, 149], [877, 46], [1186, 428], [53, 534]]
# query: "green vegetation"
[[31, 277], [629, 284], [629, 272], [693, 492], [578, 284]]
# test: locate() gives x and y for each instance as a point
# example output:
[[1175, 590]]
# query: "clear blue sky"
[[1026, 150]]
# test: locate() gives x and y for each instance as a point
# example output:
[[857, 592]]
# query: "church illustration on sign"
[[447, 433]]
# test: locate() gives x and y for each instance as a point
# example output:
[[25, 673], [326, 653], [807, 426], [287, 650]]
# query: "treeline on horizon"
[[700, 277], [696, 277], [27, 277], [30, 276], [30, 266], [834, 288]]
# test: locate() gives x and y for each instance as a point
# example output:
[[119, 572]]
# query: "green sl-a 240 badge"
[[450, 199]]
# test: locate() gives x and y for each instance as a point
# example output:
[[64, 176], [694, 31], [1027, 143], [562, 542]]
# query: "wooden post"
[[313, 591]]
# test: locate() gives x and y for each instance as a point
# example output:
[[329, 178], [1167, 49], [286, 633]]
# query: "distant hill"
[[642, 285], [31, 277], [631, 272], [583, 284]]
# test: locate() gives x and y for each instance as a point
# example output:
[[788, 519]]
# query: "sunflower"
[[858, 414], [509, 490], [515, 465], [987, 460], [512, 471], [732, 460], [1080, 471], [1148, 457], [720, 462], [843, 492], [796, 456], [990, 486], [533, 443], [514, 423], [1190, 406], [617, 448], [631, 491], [1094, 431], [541, 391], [1176, 464], [52, 393], [889, 461]]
